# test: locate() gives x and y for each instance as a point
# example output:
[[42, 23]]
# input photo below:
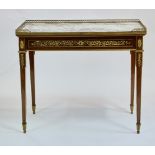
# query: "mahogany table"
[[117, 34]]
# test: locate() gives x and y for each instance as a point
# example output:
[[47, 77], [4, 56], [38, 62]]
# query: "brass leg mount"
[[34, 109], [138, 128], [24, 127], [131, 108]]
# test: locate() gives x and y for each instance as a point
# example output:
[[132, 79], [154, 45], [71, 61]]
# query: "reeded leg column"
[[139, 61], [32, 77], [139, 81], [22, 58], [132, 52]]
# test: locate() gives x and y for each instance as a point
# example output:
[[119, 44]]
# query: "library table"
[[106, 34]]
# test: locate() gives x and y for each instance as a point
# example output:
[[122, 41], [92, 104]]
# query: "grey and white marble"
[[82, 26]]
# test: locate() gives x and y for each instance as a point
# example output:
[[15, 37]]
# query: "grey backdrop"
[[82, 97]]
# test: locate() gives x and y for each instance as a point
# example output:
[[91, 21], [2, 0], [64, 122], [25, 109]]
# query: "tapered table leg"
[[139, 57], [22, 58], [132, 52], [32, 76]]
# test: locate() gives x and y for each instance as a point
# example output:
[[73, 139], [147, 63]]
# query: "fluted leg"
[[132, 52], [32, 76], [139, 59], [22, 58]]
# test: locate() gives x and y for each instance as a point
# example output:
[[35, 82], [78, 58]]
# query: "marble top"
[[81, 27]]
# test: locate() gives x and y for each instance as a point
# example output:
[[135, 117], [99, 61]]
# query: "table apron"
[[41, 43]]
